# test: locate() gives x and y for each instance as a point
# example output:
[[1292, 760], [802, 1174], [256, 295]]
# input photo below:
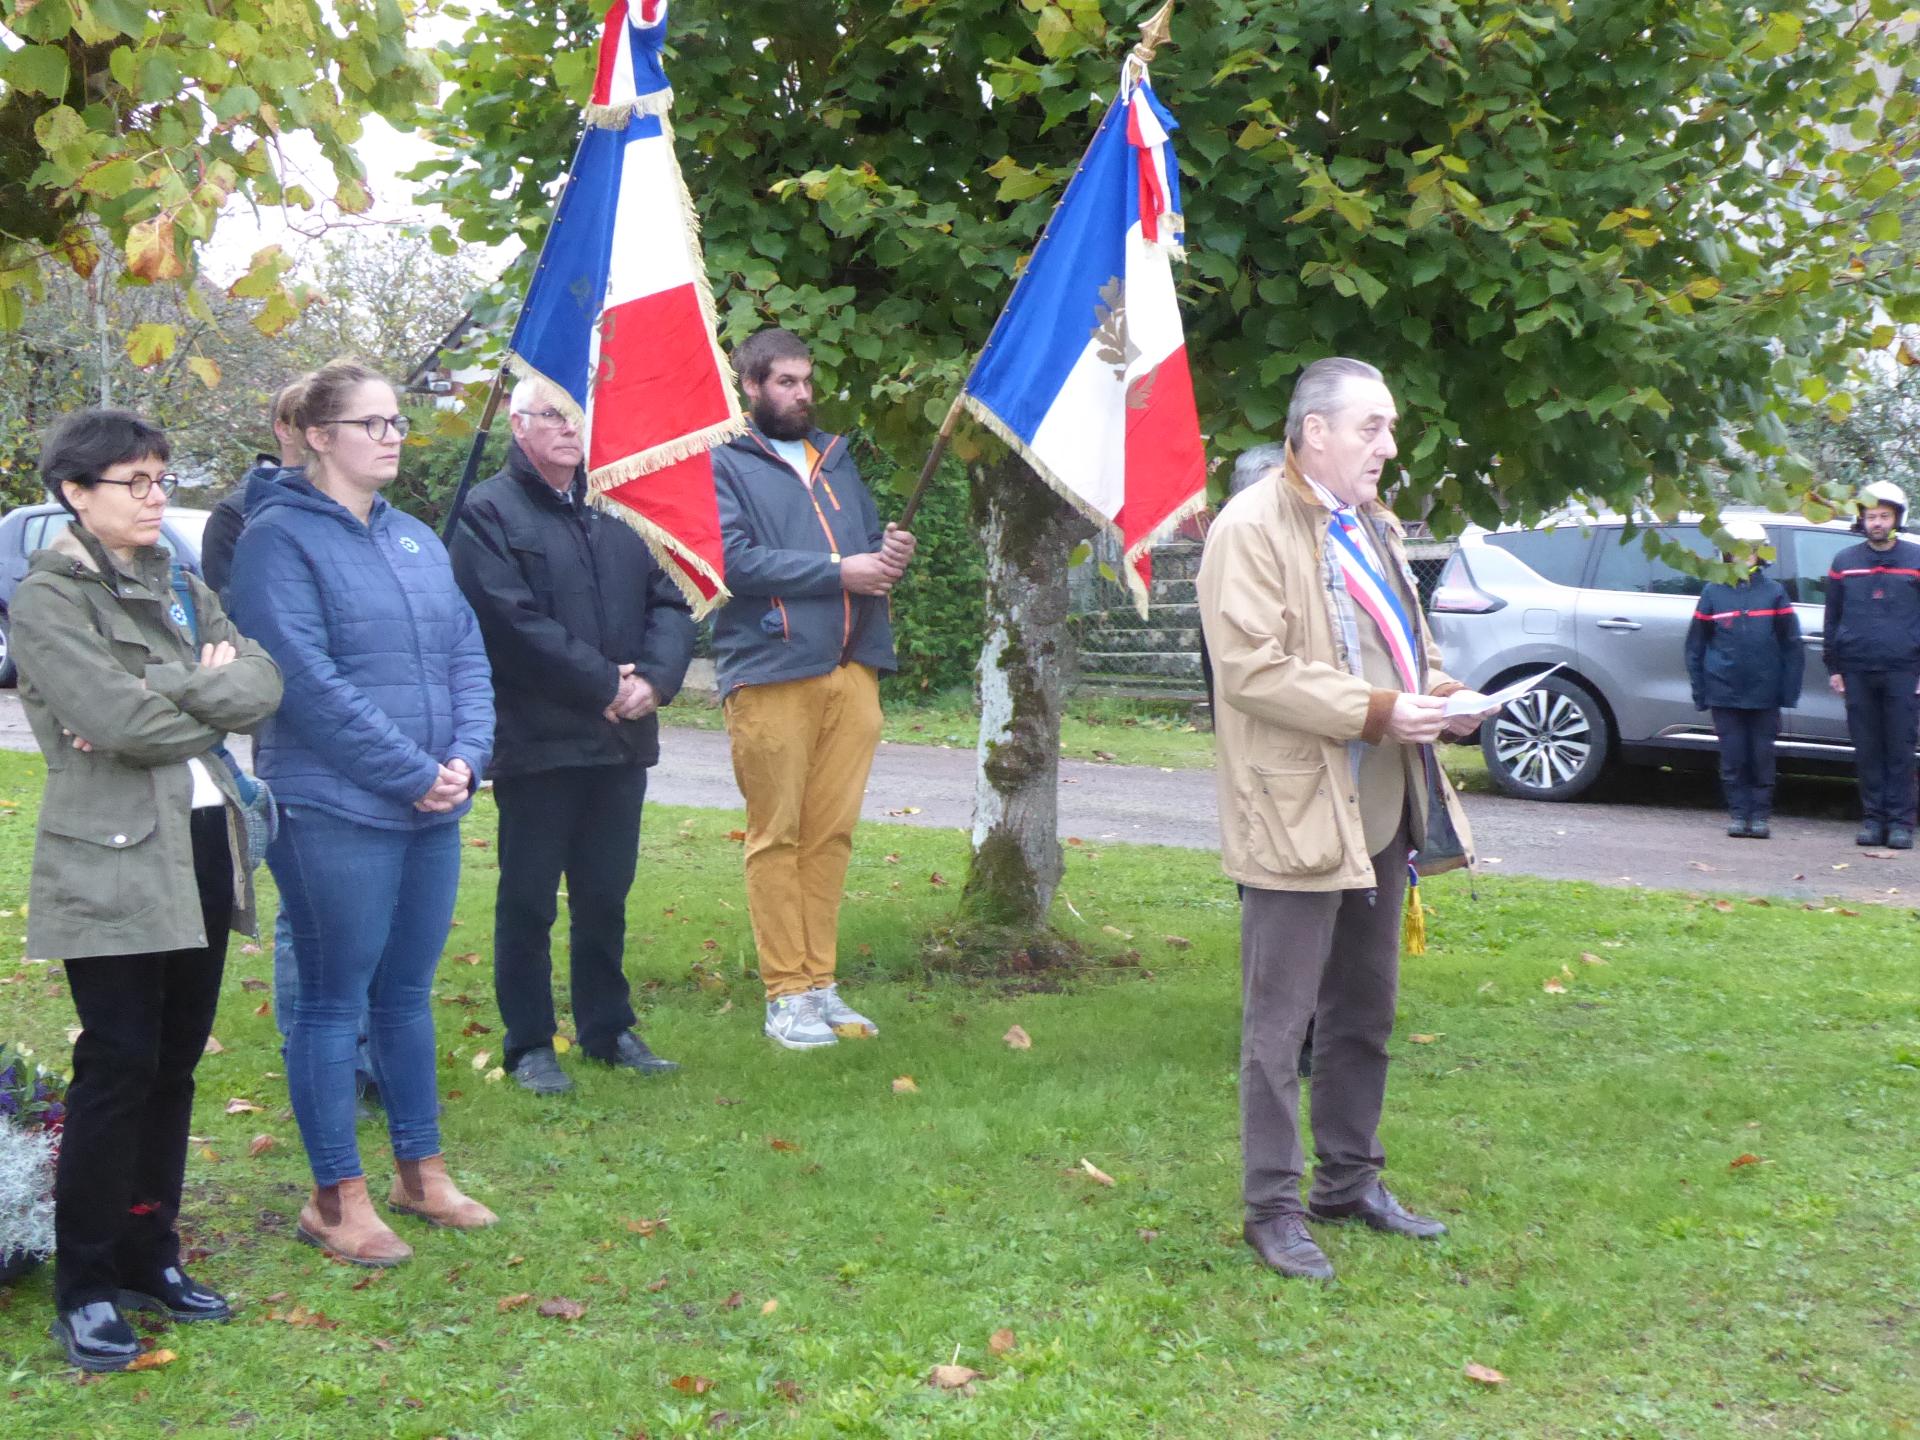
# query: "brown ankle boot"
[[423, 1188], [340, 1219]]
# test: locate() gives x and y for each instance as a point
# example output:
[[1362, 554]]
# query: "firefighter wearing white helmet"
[[1871, 646], [1745, 660]]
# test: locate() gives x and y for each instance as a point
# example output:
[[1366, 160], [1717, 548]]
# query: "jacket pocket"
[[98, 857], [1293, 827], [774, 621]]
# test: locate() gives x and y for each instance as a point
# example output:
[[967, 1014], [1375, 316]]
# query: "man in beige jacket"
[[1330, 698]]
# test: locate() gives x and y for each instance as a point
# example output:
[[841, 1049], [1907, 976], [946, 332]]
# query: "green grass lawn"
[[1615, 1253]]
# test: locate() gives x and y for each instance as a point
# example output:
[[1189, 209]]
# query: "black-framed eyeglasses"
[[376, 426], [141, 486]]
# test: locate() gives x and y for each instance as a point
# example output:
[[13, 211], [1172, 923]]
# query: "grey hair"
[[528, 393], [1318, 392], [1254, 463]]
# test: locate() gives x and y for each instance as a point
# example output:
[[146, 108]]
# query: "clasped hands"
[[634, 698], [877, 571]]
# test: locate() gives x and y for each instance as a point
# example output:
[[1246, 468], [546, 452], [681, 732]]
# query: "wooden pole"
[[473, 455], [905, 522]]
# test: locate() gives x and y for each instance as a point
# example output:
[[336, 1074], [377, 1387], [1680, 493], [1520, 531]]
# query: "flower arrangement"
[[32, 1113]]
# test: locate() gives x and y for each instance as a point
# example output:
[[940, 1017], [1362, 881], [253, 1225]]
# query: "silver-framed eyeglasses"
[[551, 418], [376, 426], [140, 484]]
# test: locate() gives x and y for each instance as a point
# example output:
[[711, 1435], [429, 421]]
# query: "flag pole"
[[473, 456], [1155, 33]]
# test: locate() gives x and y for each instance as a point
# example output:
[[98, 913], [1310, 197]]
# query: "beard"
[[776, 424]]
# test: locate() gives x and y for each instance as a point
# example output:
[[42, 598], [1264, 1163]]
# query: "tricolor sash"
[[1372, 593]]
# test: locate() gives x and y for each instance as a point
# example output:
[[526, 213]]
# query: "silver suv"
[[1585, 596]]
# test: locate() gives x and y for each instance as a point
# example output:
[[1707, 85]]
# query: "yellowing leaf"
[[1423, 1039], [513, 1302], [237, 1106], [1001, 1341], [1553, 985], [482, 1060], [147, 346], [1018, 1039], [854, 1030], [260, 1145], [769, 1307], [150, 252], [646, 1229], [214, 1047], [152, 1360], [691, 1384], [1095, 1173], [1587, 957], [561, 1045], [1484, 1374], [904, 1085], [951, 1377]]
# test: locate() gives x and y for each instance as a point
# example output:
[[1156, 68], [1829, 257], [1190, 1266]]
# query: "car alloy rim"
[[1543, 739]]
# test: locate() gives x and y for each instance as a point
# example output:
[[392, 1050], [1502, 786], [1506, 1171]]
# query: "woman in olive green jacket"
[[139, 867]]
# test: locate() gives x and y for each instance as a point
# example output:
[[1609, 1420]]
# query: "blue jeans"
[[286, 994], [371, 910]]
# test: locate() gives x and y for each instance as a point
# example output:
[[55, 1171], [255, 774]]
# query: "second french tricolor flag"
[[620, 318], [1086, 373]]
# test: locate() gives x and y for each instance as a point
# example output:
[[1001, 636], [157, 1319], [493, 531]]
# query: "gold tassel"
[[1413, 925]]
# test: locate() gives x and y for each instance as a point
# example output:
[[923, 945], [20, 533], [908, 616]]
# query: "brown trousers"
[[1332, 958], [801, 753]]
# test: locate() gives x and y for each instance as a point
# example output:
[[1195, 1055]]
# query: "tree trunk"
[[1029, 535]]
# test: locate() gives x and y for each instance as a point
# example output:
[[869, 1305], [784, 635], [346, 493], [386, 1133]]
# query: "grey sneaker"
[[539, 1071], [795, 1022], [836, 1011]]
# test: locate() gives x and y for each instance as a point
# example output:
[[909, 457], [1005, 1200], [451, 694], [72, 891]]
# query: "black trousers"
[[1746, 760], [1881, 715], [582, 823], [144, 1022]]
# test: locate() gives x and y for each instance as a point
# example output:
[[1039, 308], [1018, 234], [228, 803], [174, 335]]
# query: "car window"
[[1624, 565], [1812, 558], [42, 529], [1558, 554]]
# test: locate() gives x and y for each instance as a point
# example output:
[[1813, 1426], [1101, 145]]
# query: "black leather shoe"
[[1378, 1210], [1759, 830], [1900, 837], [177, 1294], [630, 1052], [1738, 827], [96, 1337], [539, 1071], [1872, 832], [1283, 1245]]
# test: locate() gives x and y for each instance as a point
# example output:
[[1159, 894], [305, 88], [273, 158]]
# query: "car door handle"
[[1617, 623]]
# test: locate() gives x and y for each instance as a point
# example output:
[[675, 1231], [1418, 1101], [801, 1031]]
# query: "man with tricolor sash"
[[1330, 699]]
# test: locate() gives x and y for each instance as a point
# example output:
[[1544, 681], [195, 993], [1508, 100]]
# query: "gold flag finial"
[[1154, 34]]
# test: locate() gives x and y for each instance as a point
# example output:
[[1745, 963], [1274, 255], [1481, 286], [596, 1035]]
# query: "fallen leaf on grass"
[[1018, 1039], [778, 1144], [259, 1146], [1843, 910], [561, 1308], [249, 948], [1094, 1172], [214, 1047], [1147, 1237], [1177, 942], [152, 1360], [474, 1027], [733, 1301], [853, 1030], [1001, 1341], [471, 957], [1761, 900], [263, 1009], [513, 1302], [725, 1100], [904, 1085], [1423, 1039], [1725, 907], [647, 1228], [691, 1384], [209, 1154], [1587, 957], [656, 1286], [483, 1059], [951, 1377], [936, 879], [1553, 985], [238, 1106], [1740, 1161], [478, 844], [513, 1260], [497, 1074], [787, 1390], [769, 1307], [252, 984], [302, 1318], [738, 837], [1484, 1374]]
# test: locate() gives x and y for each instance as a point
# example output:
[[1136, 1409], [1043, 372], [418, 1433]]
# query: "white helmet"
[[1744, 528], [1883, 492]]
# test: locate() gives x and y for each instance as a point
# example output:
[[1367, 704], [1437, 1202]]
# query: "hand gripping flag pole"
[[1085, 374], [619, 317]]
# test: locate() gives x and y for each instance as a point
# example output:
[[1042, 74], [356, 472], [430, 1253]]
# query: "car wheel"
[[1550, 744], [8, 675]]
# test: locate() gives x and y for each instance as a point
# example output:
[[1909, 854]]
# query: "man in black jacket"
[[588, 637], [1871, 643], [230, 512]]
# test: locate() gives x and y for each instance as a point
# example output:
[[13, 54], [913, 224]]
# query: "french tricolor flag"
[[619, 315], [1086, 372]]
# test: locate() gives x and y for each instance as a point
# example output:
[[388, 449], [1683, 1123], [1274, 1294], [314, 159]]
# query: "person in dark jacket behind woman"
[[139, 866], [229, 514], [1745, 660], [386, 729], [588, 638]]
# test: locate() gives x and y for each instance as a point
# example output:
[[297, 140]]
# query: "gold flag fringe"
[[673, 556], [1188, 508], [615, 117]]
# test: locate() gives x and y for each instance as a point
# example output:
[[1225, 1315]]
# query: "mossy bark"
[[1029, 535]]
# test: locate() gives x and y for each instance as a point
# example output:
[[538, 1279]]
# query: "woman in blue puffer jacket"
[[385, 729]]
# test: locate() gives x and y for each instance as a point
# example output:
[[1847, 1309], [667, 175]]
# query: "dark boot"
[[96, 1337]]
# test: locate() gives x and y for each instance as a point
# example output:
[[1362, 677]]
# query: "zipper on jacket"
[[833, 544], [786, 631]]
